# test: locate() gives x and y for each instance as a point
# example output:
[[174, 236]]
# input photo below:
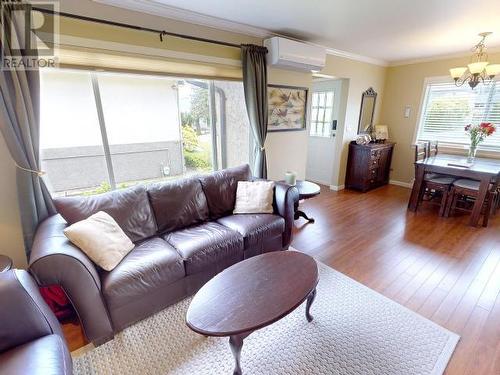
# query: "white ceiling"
[[388, 30]]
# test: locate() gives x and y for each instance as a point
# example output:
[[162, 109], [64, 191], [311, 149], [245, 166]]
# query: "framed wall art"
[[287, 107]]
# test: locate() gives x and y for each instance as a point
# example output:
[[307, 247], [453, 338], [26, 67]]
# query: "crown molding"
[[356, 57], [495, 49], [158, 9], [167, 11]]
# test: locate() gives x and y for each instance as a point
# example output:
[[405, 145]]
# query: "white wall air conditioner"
[[289, 54]]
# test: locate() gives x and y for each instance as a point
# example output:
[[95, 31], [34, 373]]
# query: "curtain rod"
[[161, 33]]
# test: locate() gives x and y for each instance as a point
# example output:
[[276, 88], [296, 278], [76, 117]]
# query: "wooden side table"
[[5, 263], [306, 190]]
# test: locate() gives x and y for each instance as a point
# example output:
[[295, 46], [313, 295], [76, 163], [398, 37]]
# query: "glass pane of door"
[[196, 125], [233, 126]]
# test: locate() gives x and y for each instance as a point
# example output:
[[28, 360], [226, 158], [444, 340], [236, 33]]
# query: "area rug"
[[355, 331]]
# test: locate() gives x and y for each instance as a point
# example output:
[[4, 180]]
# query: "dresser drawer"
[[374, 164], [375, 154], [368, 166], [372, 174]]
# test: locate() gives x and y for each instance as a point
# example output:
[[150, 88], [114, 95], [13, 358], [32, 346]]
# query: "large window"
[[321, 113], [102, 131], [447, 109]]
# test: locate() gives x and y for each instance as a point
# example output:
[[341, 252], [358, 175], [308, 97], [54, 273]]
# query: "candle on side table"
[[291, 178]]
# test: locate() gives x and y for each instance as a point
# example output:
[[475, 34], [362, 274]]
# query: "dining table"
[[484, 170]]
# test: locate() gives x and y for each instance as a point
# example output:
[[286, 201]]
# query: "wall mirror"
[[368, 99]]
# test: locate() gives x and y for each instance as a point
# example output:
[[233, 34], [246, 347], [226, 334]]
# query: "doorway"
[[326, 116]]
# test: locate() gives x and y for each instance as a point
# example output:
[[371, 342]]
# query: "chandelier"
[[479, 69]]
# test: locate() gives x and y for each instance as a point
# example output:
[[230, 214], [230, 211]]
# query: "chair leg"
[[421, 195], [497, 202], [489, 208], [451, 202], [454, 202], [444, 202]]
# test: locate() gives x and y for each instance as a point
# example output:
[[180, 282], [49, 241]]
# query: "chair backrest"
[[432, 148], [421, 150], [496, 183]]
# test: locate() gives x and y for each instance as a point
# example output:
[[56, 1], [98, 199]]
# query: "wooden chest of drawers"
[[368, 166]]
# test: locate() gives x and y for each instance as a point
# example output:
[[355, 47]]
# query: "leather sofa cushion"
[[152, 264], [46, 355], [129, 207], [254, 227], [101, 239], [178, 204], [203, 245], [220, 189]]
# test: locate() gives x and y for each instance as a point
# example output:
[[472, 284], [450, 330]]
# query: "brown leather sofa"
[[31, 341], [184, 233]]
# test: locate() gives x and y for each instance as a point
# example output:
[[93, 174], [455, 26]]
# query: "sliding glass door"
[[102, 131]]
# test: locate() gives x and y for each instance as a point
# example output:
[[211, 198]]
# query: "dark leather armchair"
[[31, 341]]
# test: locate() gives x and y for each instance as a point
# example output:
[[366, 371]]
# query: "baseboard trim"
[[407, 185], [337, 188], [318, 181]]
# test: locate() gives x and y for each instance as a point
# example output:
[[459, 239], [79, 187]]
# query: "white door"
[[324, 117]]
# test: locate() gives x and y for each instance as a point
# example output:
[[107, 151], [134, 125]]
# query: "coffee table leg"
[[310, 300], [236, 343]]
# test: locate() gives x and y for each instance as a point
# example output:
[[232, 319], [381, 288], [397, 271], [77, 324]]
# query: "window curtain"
[[255, 87], [20, 126]]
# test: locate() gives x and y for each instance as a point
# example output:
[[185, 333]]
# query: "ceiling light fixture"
[[479, 69]]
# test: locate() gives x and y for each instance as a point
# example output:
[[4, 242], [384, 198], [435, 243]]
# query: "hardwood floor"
[[440, 268]]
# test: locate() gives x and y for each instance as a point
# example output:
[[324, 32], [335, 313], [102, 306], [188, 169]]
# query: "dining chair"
[[466, 191], [435, 187], [432, 148], [421, 150]]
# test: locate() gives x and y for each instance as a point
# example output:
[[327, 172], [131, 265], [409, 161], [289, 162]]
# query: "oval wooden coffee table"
[[251, 295]]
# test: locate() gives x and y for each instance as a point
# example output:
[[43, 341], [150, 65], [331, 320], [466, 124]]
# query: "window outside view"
[[448, 109], [321, 113], [102, 131]]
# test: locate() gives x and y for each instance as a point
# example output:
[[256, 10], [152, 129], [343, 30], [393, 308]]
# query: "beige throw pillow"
[[254, 197], [101, 238]]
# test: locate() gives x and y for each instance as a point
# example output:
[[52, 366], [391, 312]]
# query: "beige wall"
[[10, 228], [285, 150], [93, 9], [361, 76], [404, 86]]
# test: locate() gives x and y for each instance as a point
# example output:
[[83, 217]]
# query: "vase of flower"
[[471, 155], [478, 134]]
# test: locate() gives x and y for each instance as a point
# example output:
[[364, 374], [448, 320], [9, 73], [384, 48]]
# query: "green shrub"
[[197, 160], [103, 188], [189, 138]]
